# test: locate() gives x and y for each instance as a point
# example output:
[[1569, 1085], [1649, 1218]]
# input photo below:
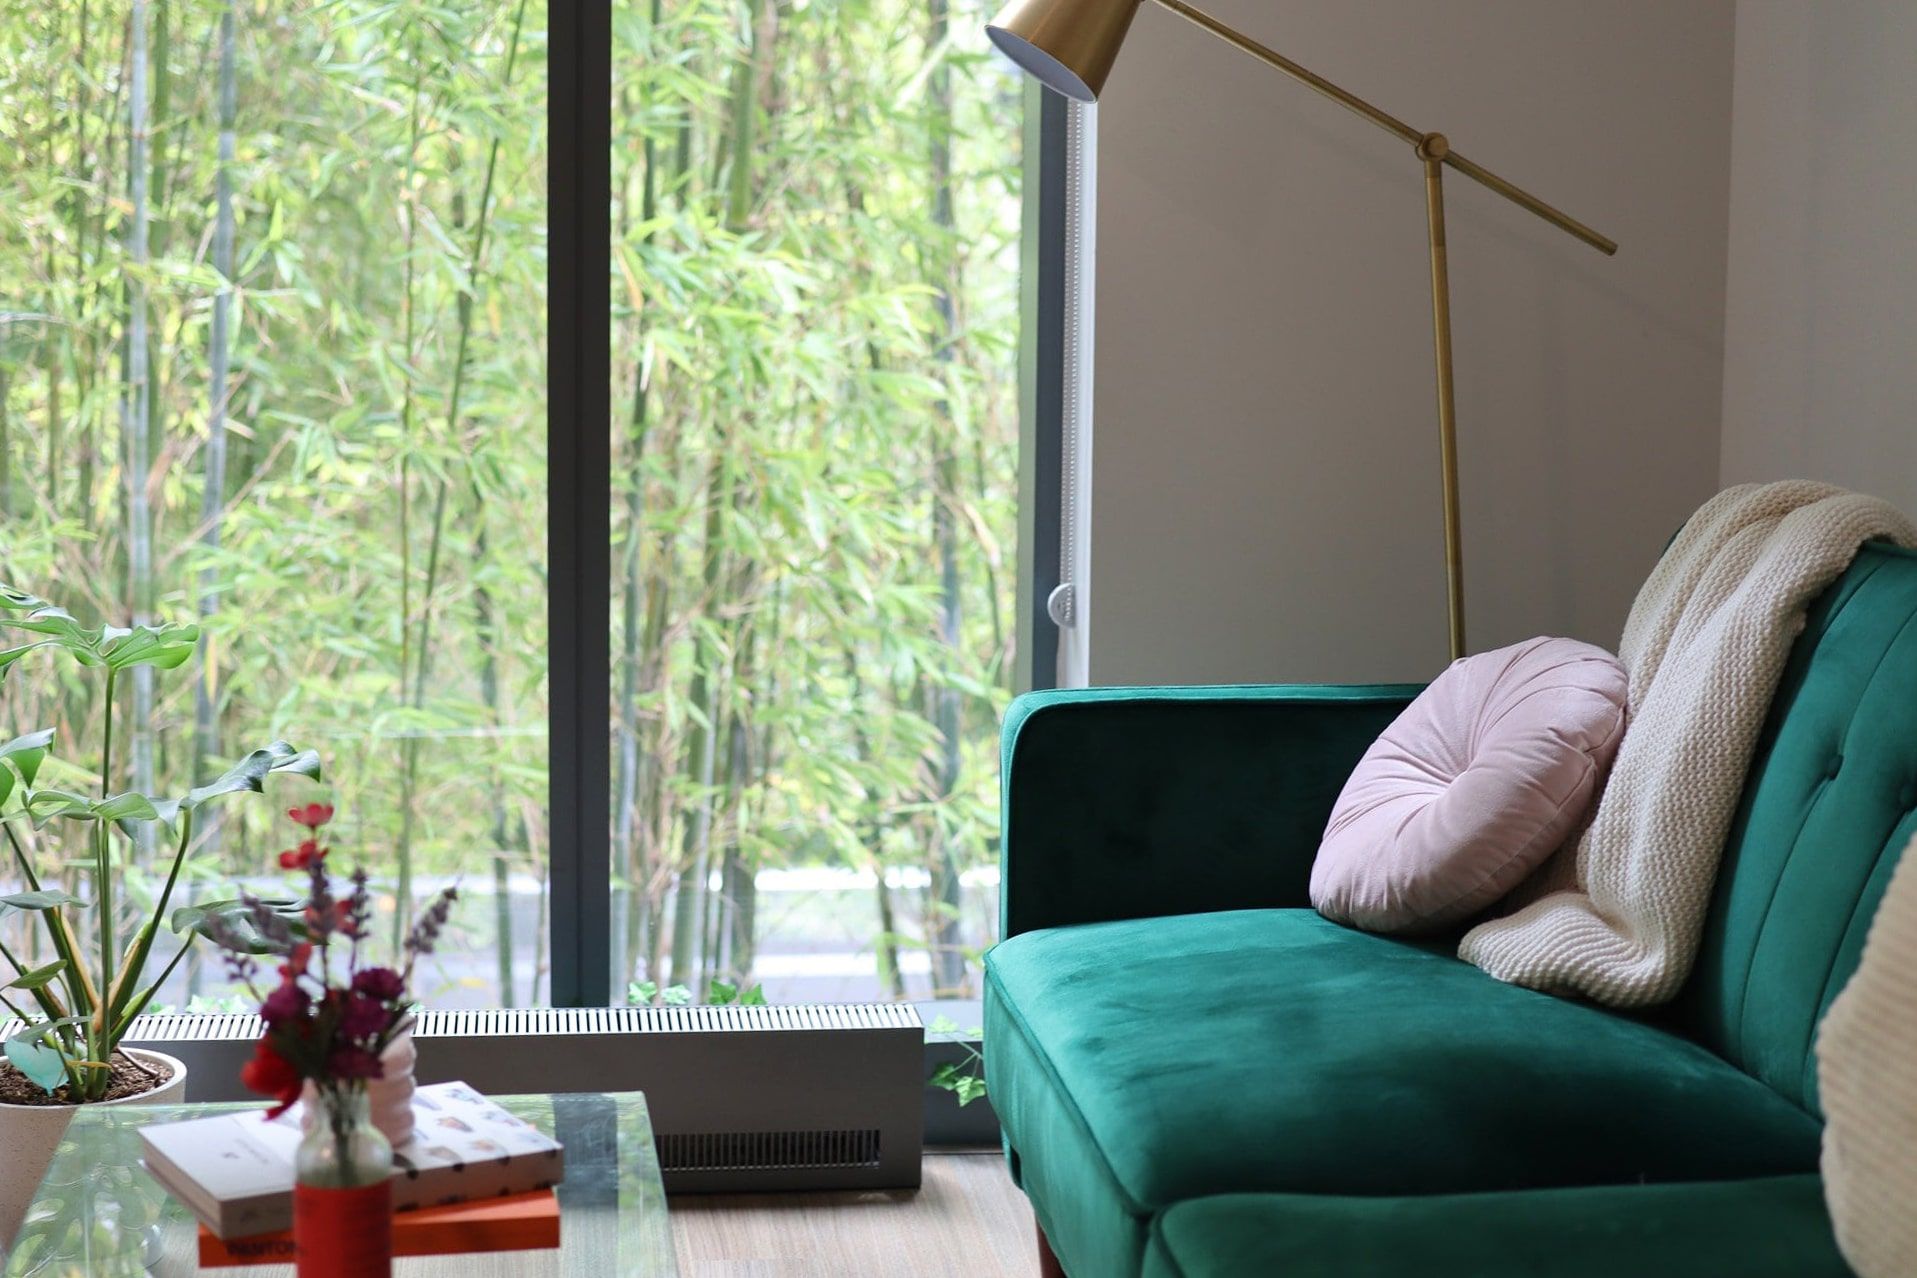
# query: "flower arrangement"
[[332, 1012], [78, 1006]]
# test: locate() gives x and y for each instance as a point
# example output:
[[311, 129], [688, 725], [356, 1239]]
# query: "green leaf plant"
[[77, 1007]]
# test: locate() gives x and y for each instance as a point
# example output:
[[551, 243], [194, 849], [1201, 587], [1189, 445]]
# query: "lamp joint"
[[1433, 146]]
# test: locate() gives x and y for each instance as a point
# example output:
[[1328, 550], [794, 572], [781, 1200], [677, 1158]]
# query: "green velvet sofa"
[[1198, 1076]]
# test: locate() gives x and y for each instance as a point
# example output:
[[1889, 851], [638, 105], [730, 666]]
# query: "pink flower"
[[352, 1062]]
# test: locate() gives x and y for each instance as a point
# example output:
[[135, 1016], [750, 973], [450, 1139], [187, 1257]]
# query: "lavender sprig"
[[426, 930]]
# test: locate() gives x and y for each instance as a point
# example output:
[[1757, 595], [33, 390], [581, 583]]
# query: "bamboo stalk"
[[206, 722]]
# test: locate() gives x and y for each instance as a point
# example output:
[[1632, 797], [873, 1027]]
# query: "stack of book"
[[472, 1178]]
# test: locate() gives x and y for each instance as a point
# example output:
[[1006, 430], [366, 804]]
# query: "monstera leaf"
[[263, 927], [115, 647], [30, 1054], [20, 760]]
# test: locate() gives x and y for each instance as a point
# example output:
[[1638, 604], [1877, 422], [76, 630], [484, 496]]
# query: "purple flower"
[[352, 1062], [362, 1016], [380, 983], [426, 930], [287, 1002]]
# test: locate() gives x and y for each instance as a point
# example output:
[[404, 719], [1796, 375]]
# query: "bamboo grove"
[[272, 359]]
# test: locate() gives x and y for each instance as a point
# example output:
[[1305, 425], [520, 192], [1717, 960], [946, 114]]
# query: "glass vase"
[[343, 1191]]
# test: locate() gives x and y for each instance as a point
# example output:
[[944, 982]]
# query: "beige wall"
[[1820, 366], [1265, 502]]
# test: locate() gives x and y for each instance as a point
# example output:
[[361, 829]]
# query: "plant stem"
[[103, 884], [136, 955], [44, 996], [139, 1004]]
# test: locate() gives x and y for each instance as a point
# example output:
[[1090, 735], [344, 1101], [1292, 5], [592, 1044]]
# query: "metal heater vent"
[[767, 1151], [794, 1096]]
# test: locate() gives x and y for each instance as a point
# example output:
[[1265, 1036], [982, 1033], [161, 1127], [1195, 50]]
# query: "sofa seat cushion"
[[1773, 1227], [1139, 1063]]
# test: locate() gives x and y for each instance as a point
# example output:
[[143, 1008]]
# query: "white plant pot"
[[29, 1135]]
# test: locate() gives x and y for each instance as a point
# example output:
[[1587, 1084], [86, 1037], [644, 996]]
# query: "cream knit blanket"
[[1867, 1080], [1617, 916]]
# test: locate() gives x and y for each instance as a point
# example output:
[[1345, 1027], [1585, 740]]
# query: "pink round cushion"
[[1472, 787]]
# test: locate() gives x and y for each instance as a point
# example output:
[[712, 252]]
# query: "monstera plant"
[[77, 1007]]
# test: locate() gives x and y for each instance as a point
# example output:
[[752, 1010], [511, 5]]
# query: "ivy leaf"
[[721, 993], [961, 1080], [641, 993], [38, 977], [754, 997], [675, 995]]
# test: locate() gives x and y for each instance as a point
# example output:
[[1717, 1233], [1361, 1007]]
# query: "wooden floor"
[[968, 1221]]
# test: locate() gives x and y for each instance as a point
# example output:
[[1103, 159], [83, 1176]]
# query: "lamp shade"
[[1067, 45]]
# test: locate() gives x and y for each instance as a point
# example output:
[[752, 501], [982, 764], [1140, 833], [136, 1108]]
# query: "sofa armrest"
[[1131, 802]]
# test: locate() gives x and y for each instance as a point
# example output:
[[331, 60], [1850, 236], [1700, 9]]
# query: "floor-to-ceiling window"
[[814, 479], [274, 360]]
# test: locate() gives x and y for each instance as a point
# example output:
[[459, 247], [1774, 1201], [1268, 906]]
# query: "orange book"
[[519, 1222]]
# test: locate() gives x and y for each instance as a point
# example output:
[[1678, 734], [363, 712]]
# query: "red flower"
[[271, 1074], [343, 916], [296, 960], [313, 815], [362, 1016], [304, 856], [286, 1003], [353, 1062], [382, 983]]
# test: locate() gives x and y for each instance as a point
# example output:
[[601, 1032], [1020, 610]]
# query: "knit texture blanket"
[[1867, 1080], [1616, 916]]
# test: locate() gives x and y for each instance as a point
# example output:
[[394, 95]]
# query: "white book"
[[235, 1171]]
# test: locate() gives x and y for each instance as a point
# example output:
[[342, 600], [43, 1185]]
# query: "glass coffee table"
[[98, 1213]]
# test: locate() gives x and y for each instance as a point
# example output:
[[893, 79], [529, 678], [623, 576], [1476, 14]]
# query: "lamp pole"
[[1435, 152]]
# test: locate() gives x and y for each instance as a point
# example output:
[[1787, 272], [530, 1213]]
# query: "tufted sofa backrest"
[[1828, 805]]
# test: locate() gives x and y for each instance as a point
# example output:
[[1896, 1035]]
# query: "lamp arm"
[[1392, 124]]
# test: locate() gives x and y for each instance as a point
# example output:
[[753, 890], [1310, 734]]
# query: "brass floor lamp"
[[1070, 45]]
